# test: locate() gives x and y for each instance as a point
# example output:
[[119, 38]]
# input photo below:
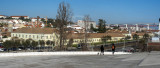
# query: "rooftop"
[[140, 34], [92, 35], [19, 16], [2, 15], [36, 30], [116, 31]]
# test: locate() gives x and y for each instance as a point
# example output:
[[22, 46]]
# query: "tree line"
[[29, 43]]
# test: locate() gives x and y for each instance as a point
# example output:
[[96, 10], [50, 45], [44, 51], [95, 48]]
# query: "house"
[[139, 34], [92, 37], [3, 16], [34, 33], [76, 28], [17, 17], [124, 32], [35, 19], [81, 23]]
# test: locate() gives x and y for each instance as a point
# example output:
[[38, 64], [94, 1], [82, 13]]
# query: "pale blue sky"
[[113, 11]]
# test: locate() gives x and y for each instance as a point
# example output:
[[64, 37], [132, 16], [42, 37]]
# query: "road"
[[136, 60]]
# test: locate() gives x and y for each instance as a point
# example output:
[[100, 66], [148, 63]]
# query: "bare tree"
[[86, 20], [64, 15]]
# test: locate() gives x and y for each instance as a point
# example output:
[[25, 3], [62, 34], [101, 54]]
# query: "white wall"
[[19, 17], [35, 37], [34, 20], [2, 16], [82, 24]]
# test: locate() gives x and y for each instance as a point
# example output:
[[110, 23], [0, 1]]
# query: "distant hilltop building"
[[3, 16], [17, 17], [81, 23], [35, 19]]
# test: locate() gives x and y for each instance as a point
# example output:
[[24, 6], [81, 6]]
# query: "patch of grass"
[[74, 45], [98, 43]]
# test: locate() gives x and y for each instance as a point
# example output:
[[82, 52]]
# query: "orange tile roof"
[[140, 34], [152, 30], [36, 30], [116, 31], [76, 26], [19, 16], [92, 35]]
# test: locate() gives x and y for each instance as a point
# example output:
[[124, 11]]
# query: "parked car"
[[1, 49], [19, 49], [28, 48], [79, 46]]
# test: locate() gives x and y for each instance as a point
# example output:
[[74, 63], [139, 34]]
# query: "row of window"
[[89, 40], [31, 36]]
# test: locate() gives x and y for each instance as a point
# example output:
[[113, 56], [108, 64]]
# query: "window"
[[22, 35], [26, 36], [33, 36], [76, 41], [29, 36], [37, 36], [50, 37], [46, 37], [19, 35]]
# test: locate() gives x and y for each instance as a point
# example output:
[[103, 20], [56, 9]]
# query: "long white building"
[[17, 17], [3, 16]]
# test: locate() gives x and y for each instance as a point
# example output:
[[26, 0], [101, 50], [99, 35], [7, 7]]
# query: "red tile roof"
[[140, 34], [76, 26], [35, 30], [19, 16], [116, 31], [2, 15]]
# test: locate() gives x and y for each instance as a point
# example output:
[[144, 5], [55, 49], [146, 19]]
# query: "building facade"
[[35, 34], [81, 23], [35, 19], [17, 17], [51, 34], [3, 16]]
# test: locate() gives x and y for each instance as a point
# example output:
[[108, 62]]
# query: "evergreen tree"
[[102, 26], [7, 44], [135, 37], [93, 29], [106, 38], [43, 20], [21, 18]]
